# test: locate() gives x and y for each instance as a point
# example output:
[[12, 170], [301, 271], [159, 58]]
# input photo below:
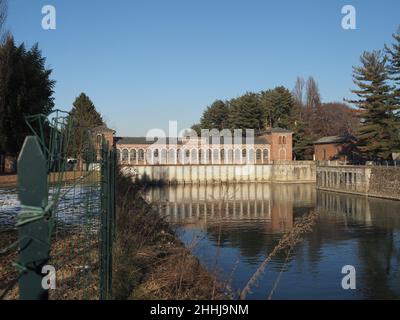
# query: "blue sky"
[[146, 62]]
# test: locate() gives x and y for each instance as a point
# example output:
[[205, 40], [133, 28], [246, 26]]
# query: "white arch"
[[265, 155], [194, 156]]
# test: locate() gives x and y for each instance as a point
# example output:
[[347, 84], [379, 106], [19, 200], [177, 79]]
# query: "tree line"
[[299, 110], [373, 121]]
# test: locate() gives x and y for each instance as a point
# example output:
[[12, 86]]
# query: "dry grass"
[[75, 258], [289, 240], [150, 262]]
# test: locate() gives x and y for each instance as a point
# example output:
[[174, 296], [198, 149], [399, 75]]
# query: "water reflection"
[[242, 223], [203, 205]]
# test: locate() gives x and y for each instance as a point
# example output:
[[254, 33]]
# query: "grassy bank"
[[150, 262]]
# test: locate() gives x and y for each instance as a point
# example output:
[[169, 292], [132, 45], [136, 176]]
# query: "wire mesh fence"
[[70, 228]]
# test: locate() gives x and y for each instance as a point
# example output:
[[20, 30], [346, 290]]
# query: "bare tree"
[[313, 97], [3, 17], [298, 91]]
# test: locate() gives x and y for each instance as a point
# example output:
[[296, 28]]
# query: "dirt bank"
[[150, 262]]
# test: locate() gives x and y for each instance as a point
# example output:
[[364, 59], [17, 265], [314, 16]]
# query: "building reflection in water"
[[246, 221], [200, 205]]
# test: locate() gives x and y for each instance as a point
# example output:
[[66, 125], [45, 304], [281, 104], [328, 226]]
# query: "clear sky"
[[146, 62]]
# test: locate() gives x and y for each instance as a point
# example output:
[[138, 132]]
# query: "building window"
[[125, 155], [265, 155], [324, 156], [216, 156], [258, 154], [284, 140], [141, 155], [133, 155]]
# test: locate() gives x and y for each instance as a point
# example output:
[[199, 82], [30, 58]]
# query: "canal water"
[[232, 229]]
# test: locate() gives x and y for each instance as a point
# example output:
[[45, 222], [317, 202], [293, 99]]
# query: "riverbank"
[[11, 180], [150, 262]]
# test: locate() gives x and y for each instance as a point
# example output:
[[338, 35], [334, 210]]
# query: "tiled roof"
[[276, 130], [144, 140], [334, 139]]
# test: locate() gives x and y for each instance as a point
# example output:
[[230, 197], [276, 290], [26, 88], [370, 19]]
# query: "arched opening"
[[324, 154], [251, 159], [284, 140], [215, 156], [141, 155], [125, 156], [237, 156], [186, 156], [201, 156], [265, 155], [222, 156], [133, 156], [194, 158], [258, 156], [179, 156], [228, 156], [172, 156], [244, 156], [164, 156], [209, 158], [149, 156]]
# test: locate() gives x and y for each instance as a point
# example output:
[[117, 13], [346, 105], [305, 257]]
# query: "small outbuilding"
[[342, 148]]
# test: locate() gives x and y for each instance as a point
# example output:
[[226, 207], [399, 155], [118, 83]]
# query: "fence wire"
[[79, 208]]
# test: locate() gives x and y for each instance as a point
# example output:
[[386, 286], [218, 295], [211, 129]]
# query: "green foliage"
[[378, 134], [215, 116], [246, 112], [277, 105], [83, 118], [25, 89], [393, 54]]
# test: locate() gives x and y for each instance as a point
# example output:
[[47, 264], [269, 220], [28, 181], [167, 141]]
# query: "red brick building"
[[340, 148], [271, 145]]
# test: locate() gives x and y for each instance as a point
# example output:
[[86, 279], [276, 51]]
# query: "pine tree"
[[25, 89], [83, 118], [215, 116], [246, 112], [278, 106], [377, 135], [393, 54]]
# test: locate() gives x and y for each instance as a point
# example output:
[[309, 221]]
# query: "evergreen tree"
[[25, 89], [377, 135], [393, 54], [83, 118], [215, 116], [246, 112], [278, 106]]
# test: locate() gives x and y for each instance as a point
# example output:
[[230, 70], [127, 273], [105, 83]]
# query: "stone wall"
[[385, 181], [382, 182], [279, 171]]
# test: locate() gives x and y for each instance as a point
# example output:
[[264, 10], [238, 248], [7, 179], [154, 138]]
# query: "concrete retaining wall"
[[382, 182], [282, 171]]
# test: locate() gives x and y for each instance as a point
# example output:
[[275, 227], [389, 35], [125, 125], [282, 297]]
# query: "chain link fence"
[[57, 243]]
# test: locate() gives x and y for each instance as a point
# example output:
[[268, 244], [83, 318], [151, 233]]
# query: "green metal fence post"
[[33, 226]]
